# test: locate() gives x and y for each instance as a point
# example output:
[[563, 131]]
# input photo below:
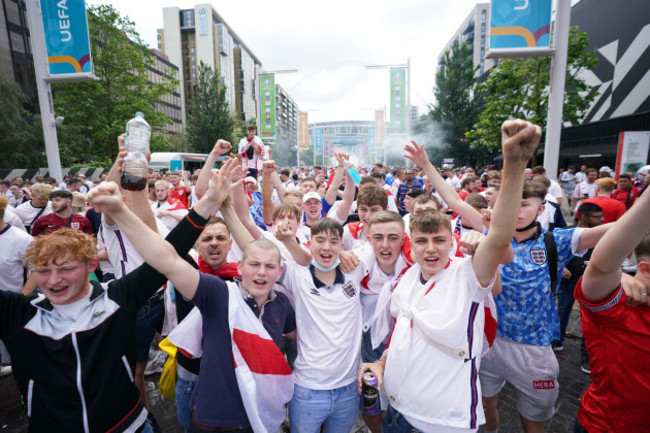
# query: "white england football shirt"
[[329, 323]]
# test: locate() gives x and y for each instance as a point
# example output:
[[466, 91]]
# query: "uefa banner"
[[379, 128], [522, 24], [303, 130], [318, 140], [267, 92], [397, 101], [67, 44]]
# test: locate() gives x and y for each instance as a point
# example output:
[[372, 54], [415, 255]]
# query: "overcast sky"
[[330, 43]]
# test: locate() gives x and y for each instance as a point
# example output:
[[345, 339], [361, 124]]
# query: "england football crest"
[[75, 225], [349, 290], [538, 256]]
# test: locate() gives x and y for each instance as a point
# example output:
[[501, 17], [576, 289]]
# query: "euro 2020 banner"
[[65, 27], [520, 24]]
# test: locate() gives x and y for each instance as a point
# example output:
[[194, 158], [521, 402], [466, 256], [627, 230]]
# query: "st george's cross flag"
[[263, 375]]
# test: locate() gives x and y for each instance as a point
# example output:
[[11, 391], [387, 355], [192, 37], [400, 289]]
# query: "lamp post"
[[406, 66]]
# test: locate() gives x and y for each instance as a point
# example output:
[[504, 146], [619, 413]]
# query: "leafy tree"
[[209, 117], [519, 88], [96, 112], [21, 142], [458, 103]]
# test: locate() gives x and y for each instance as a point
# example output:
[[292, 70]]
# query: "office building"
[[190, 36], [16, 61], [170, 104], [286, 120], [474, 30]]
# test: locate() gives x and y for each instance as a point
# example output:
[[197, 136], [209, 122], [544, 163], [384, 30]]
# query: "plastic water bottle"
[[353, 173], [134, 169]]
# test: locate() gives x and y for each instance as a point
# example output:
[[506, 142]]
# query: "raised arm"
[[283, 233], [221, 147], [157, 252], [343, 210], [603, 273], [240, 234], [241, 207], [519, 140], [268, 168], [330, 194], [418, 155]]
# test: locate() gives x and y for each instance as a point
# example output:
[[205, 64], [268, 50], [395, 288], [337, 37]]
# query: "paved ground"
[[572, 384]]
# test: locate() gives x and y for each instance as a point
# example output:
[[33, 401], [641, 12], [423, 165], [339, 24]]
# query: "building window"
[[187, 18]]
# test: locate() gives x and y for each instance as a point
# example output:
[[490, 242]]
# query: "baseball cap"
[[415, 192], [310, 194], [250, 180]]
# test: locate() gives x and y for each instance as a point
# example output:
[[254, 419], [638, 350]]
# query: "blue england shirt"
[[525, 308]]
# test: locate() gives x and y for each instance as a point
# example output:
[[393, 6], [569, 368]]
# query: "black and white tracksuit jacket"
[[77, 375]]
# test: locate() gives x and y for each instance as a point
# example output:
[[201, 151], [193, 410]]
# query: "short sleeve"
[[610, 308]]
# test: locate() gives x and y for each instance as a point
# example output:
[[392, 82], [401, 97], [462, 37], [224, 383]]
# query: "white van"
[[172, 161]]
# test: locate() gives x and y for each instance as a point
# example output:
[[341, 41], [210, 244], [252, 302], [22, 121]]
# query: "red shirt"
[[179, 194], [612, 209], [51, 223], [626, 197], [618, 343]]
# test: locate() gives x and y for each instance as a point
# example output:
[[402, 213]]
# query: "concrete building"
[[16, 61], [190, 36], [286, 121], [170, 104], [474, 30]]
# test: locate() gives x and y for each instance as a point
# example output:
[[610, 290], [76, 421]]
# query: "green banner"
[[267, 95], [397, 101]]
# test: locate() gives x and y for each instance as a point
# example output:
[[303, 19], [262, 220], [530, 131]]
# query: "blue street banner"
[[371, 139], [397, 100], [520, 24], [318, 140], [267, 91], [67, 44]]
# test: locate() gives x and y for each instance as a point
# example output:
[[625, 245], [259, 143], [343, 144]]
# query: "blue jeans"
[[337, 408], [184, 390], [394, 422], [565, 304], [578, 428], [149, 319], [147, 428]]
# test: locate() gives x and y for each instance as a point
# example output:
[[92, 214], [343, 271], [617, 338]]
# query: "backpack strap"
[[40, 212], [551, 257]]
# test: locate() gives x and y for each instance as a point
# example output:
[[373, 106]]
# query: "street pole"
[[43, 89], [556, 93]]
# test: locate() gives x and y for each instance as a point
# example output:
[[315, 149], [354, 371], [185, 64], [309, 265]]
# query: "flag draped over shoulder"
[[263, 375]]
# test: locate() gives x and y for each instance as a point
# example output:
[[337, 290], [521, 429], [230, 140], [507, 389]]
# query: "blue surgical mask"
[[322, 269]]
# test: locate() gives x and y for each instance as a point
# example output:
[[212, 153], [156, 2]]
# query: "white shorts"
[[532, 370]]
